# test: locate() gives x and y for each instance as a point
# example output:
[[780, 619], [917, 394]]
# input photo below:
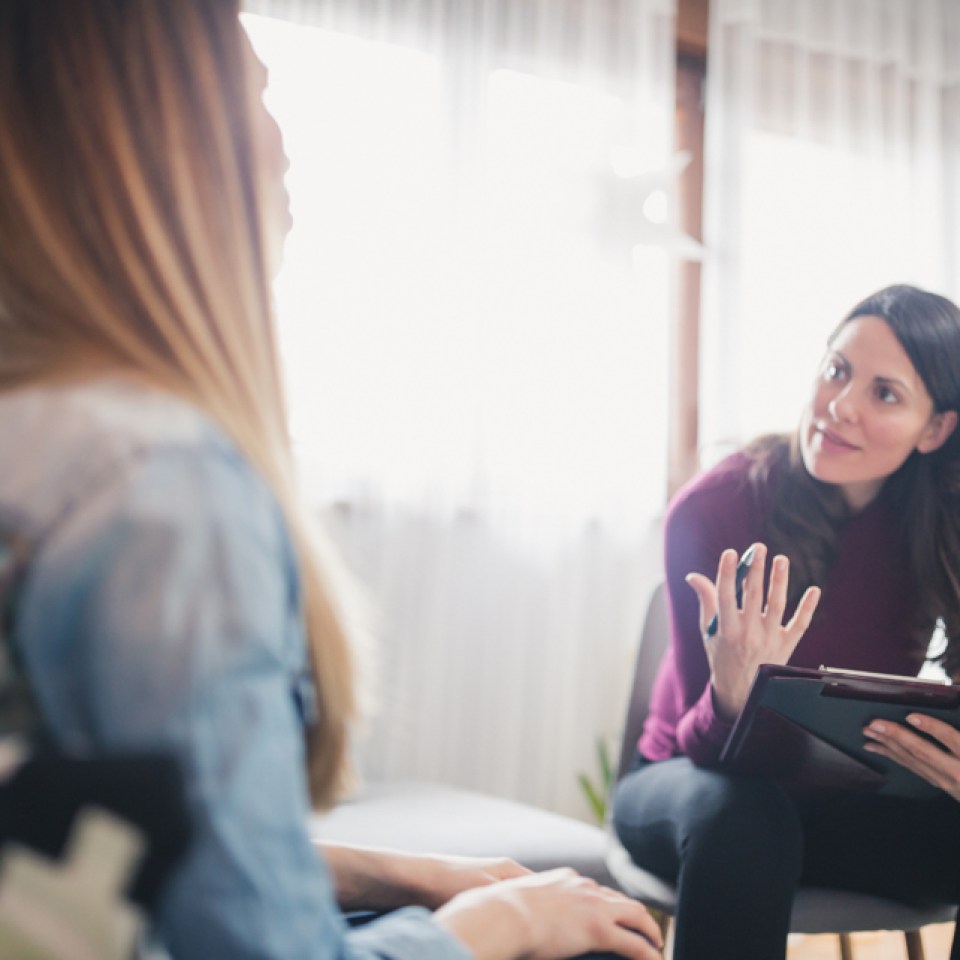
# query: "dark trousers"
[[737, 848]]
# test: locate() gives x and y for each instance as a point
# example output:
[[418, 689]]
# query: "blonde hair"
[[132, 238]]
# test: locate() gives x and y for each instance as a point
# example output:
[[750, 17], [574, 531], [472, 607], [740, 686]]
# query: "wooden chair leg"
[[914, 944], [663, 922], [668, 937], [846, 946]]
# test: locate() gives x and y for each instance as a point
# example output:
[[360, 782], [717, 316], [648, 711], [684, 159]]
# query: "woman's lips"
[[834, 442]]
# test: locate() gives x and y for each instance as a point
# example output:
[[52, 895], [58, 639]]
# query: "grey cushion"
[[431, 818]]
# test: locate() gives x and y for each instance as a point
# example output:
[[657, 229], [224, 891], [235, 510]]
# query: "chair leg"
[[669, 933], [663, 922], [846, 946], [914, 944]]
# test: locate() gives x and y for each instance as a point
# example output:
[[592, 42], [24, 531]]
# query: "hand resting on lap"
[[497, 908]]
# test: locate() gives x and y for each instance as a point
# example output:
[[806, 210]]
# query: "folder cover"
[[804, 728]]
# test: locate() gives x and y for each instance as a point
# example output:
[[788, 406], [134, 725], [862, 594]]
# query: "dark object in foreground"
[[40, 801]]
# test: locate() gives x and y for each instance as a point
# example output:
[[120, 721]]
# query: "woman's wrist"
[[411, 877], [491, 927], [369, 879], [726, 705]]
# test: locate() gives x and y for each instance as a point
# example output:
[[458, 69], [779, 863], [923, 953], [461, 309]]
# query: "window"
[[468, 326]]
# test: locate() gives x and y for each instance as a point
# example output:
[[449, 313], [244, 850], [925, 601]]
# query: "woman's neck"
[[859, 496]]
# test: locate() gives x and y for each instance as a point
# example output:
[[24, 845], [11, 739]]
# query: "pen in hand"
[[743, 567]]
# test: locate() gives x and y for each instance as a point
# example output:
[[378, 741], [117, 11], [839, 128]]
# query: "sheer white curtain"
[[476, 347], [833, 169]]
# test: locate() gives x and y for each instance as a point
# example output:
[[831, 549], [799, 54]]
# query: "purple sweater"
[[864, 621]]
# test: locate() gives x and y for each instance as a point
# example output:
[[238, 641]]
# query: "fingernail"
[[780, 564], [878, 728], [871, 748], [688, 577], [914, 720]]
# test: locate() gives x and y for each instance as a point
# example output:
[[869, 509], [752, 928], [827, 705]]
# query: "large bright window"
[[815, 242], [475, 348], [457, 324]]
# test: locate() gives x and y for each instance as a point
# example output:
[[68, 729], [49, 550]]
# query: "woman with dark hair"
[[863, 504], [176, 595]]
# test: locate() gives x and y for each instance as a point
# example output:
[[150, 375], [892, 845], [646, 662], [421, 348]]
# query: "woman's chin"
[[825, 470]]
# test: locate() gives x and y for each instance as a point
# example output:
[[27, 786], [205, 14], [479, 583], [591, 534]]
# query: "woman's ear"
[[938, 432]]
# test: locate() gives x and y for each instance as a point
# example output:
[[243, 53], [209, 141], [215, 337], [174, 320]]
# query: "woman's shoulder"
[[729, 479], [61, 442], [733, 496], [114, 409]]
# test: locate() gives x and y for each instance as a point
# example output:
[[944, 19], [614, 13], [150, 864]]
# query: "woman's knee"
[[742, 817], [709, 811]]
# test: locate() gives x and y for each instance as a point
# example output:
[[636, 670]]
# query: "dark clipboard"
[[804, 728]]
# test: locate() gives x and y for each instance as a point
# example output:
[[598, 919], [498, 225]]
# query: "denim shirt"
[[160, 610]]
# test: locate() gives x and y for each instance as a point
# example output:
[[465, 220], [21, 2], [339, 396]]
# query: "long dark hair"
[[806, 514]]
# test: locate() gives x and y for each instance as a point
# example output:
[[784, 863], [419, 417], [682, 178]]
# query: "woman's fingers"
[[752, 635], [777, 594], [707, 595], [753, 585], [727, 590], [904, 741], [802, 616], [634, 916], [924, 758], [904, 756], [625, 918], [503, 868], [947, 735], [548, 916], [627, 944]]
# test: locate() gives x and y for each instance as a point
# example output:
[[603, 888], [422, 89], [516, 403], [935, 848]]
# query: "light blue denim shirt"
[[160, 610]]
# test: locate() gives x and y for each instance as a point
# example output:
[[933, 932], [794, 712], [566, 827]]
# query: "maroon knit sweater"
[[864, 621]]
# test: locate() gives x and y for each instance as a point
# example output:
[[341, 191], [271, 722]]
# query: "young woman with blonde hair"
[[176, 593]]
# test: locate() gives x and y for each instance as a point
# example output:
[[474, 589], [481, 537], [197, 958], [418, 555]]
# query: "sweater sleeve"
[[699, 527]]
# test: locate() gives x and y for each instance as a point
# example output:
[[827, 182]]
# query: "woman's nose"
[[842, 407]]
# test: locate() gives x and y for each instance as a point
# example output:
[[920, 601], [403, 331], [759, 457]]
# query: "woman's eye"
[[886, 395], [832, 371]]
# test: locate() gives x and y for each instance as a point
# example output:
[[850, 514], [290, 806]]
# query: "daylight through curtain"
[[474, 325], [833, 169]]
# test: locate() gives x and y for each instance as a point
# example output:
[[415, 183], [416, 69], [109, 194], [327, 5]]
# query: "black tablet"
[[806, 727]]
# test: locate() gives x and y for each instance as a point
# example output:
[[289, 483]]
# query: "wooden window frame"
[[692, 40]]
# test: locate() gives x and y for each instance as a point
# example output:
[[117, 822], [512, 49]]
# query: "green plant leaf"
[[606, 768], [597, 801]]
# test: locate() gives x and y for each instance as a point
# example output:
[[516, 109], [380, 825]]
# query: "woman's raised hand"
[[755, 634], [941, 767], [548, 916]]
